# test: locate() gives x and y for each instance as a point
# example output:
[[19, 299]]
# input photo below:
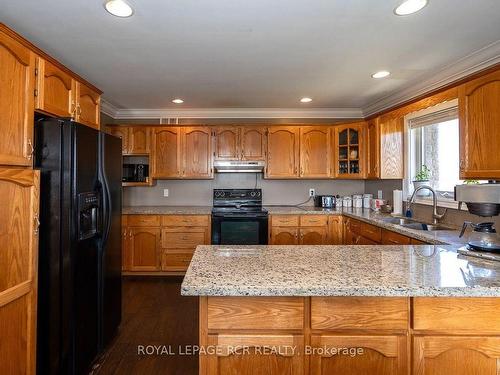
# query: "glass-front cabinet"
[[349, 150]]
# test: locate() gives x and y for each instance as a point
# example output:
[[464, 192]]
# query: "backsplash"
[[199, 192]]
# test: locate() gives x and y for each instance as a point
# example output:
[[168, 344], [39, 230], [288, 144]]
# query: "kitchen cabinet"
[[253, 143], [283, 152], [313, 236], [88, 105], [55, 90], [144, 249], [349, 151], [373, 159], [336, 230], [381, 355], [120, 132], [393, 238], [197, 153], [284, 236], [299, 230], [17, 82], [315, 152], [227, 143], [139, 140], [19, 189], [166, 152], [357, 232], [479, 119]]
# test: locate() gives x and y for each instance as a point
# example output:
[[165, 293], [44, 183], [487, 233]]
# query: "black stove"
[[238, 217]]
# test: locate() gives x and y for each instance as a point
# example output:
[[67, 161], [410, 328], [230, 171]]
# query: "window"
[[433, 146]]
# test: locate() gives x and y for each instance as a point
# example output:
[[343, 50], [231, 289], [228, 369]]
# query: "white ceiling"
[[259, 53]]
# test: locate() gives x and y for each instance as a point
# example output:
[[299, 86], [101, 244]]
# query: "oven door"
[[239, 229]]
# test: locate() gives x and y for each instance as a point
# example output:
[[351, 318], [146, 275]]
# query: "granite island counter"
[[400, 309]]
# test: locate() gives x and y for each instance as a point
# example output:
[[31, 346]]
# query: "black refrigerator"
[[79, 275]]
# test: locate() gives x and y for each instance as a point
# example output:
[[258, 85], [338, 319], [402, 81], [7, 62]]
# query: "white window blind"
[[434, 118]]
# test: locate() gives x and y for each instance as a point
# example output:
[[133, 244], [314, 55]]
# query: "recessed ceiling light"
[[410, 7], [306, 100], [178, 101], [381, 74], [119, 8]]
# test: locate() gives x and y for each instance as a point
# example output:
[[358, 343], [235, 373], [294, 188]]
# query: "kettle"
[[483, 237]]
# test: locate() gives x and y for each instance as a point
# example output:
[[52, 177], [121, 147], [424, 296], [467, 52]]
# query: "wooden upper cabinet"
[[373, 160], [479, 117], [19, 189], [139, 140], [349, 151], [166, 152], [283, 152], [315, 151], [391, 148], [197, 152], [121, 132], [87, 105], [253, 143], [55, 90], [227, 143], [17, 85]]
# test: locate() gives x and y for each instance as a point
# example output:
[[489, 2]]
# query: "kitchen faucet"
[[435, 216]]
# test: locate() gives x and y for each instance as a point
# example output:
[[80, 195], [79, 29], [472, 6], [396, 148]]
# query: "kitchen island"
[[346, 310]]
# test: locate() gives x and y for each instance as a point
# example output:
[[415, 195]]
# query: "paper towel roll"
[[397, 202]]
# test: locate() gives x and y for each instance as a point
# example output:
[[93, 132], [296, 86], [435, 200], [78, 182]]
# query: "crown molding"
[[466, 66], [247, 113], [108, 109]]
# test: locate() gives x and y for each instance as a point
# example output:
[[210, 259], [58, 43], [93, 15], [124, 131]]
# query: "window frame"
[[442, 201]]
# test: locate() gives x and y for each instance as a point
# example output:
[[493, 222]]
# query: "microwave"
[[135, 172]]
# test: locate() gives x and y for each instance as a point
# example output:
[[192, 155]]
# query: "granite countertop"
[[441, 237], [372, 270]]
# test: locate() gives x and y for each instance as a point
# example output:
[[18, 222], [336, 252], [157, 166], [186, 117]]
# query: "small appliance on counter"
[[135, 173], [482, 200], [325, 201]]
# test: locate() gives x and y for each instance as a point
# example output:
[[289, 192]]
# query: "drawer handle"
[[37, 224]]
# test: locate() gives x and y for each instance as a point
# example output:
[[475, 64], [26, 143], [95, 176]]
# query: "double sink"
[[414, 224]]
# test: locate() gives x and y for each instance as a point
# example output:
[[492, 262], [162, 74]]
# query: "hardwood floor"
[[154, 313]]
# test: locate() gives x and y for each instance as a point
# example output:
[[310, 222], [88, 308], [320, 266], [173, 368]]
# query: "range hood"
[[239, 166]]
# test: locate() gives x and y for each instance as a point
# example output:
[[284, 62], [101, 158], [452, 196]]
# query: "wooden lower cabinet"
[[358, 354], [457, 355], [313, 236], [300, 230], [162, 243], [284, 236], [243, 354]]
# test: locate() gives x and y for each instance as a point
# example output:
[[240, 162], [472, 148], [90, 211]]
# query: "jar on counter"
[[367, 201], [347, 202], [357, 201]]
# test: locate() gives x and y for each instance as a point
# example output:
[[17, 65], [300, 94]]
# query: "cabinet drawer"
[[457, 314], [354, 226], [285, 220], [176, 260], [393, 238], [371, 232], [359, 313], [185, 220], [183, 238], [143, 220], [313, 220], [418, 242], [255, 313]]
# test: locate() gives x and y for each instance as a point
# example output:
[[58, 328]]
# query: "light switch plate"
[[165, 192]]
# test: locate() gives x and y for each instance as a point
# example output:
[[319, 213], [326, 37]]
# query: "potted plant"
[[422, 178]]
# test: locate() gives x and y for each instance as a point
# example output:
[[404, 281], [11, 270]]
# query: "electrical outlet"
[[165, 192], [312, 192]]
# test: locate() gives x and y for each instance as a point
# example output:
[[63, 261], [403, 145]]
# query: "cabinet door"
[[373, 149], [121, 132], [381, 355], [393, 238], [315, 151], [88, 106], [253, 143], [19, 190], [313, 236], [227, 143], [54, 90], [17, 64], [358, 239], [349, 151], [166, 152], [144, 249], [282, 152], [284, 236], [139, 140], [335, 228], [391, 148], [479, 117], [197, 152], [125, 247], [456, 355], [241, 354]]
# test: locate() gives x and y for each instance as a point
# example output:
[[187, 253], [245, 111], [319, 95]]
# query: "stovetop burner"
[[238, 202]]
